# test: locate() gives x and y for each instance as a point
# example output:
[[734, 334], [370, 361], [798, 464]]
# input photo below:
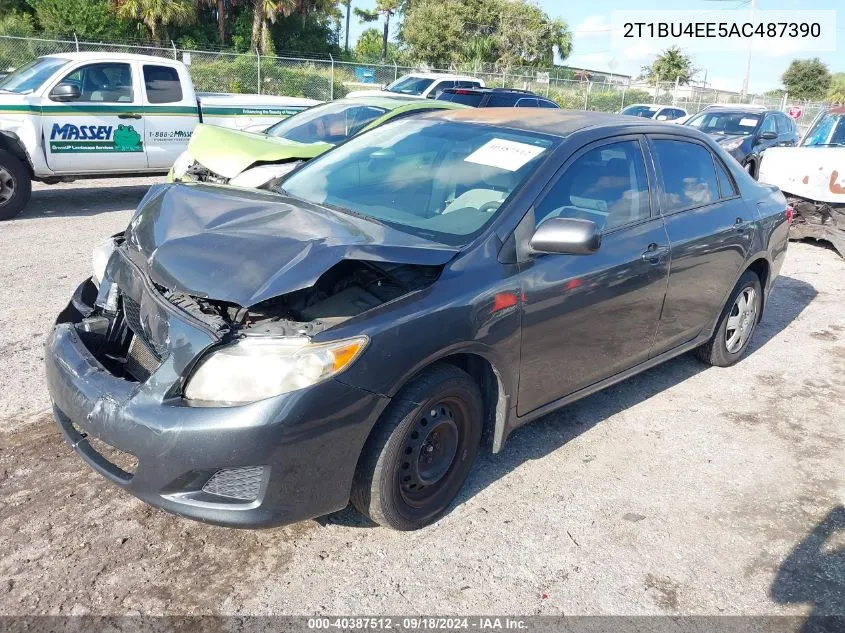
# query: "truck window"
[[162, 84], [106, 82]]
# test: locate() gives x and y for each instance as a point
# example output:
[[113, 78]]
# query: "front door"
[[588, 317], [102, 130]]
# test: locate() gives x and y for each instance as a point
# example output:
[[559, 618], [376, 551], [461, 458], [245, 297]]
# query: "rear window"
[[162, 84], [689, 177], [644, 111], [527, 102], [545, 103], [466, 98], [503, 100]]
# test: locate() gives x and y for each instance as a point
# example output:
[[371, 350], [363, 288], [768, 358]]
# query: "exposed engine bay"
[[346, 290], [259, 175]]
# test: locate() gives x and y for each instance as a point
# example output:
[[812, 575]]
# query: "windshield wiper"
[[825, 145]]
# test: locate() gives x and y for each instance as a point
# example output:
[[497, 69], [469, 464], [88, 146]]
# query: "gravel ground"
[[685, 490]]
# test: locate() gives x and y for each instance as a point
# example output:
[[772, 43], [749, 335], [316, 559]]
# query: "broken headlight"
[[180, 166], [731, 145], [255, 368], [100, 258]]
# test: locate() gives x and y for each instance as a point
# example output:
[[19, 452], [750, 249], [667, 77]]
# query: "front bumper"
[[308, 442]]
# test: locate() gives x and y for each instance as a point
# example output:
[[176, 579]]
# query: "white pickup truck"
[[77, 115]]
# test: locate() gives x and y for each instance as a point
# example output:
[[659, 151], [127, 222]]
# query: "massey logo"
[[68, 132], [70, 138]]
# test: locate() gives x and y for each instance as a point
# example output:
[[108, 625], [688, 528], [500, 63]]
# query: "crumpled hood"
[[245, 247], [228, 152], [815, 173]]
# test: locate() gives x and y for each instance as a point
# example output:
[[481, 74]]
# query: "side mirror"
[[768, 136], [566, 236], [65, 92], [663, 117]]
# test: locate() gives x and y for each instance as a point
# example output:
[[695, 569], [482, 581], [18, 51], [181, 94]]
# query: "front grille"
[[236, 483], [141, 361], [132, 313]]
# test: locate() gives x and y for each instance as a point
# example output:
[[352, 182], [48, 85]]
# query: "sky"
[[589, 22]]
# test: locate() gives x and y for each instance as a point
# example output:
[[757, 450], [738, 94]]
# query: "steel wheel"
[[741, 320], [8, 186], [430, 451]]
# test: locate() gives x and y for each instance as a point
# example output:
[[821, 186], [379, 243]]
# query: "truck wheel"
[[736, 325], [15, 186], [417, 458]]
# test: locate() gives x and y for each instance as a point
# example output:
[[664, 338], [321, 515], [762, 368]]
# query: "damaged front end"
[[813, 181]]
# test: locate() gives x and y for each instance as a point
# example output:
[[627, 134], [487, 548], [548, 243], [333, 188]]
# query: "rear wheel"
[[419, 455], [15, 185], [736, 325]]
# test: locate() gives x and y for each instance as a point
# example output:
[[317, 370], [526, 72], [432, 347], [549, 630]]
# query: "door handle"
[[654, 253], [740, 225], [128, 115]]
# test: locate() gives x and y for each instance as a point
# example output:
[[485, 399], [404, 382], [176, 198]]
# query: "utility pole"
[[348, 11], [748, 59]]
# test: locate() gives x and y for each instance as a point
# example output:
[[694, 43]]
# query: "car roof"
[[388, 102], [652, 105], [94, 56], [480, 90], [439, 76], [741, 110], [552, 121]]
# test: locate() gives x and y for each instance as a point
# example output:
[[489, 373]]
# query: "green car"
[[248, 159]]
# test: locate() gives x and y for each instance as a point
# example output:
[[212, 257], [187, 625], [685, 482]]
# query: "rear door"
[[171, 114], [709, 227], [588, 317], [102, 130]]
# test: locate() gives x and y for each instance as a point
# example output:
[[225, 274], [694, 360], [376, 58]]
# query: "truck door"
[[173, 114], [101, 129]]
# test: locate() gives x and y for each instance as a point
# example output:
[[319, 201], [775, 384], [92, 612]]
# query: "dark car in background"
[[253, 358], [496, 98], [746, 133]]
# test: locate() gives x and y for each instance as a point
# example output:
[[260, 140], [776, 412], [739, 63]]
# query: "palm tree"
[[157, 15], [386, 8], [220, 7], [264, 13]]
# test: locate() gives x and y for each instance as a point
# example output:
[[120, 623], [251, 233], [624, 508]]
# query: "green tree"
[[16, 23], [264, 14], [806, 79], [435, 31], [368, 48], [836, 91], [671, 65], [505, 32], [158, 15], [89, 19], [386, 8]]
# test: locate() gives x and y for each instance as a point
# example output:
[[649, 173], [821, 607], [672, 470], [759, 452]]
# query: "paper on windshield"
[[504, 154], [748, 122]]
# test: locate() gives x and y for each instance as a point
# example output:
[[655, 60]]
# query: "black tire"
[[441, 407], [717, 351], [15, 185]]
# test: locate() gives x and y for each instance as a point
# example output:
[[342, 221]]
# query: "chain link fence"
[[301, 75]]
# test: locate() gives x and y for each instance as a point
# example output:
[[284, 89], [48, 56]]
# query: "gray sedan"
[[253, 358]]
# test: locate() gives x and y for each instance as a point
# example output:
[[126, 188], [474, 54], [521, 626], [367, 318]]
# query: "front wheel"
[[15, 185], [736, 324], [423, 447]]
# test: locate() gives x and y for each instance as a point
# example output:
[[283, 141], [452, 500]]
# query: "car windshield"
[[327, 123], [410, 85], [828, 130], [461, 96], [645, 111], [733, 123], [29, 77], [441, 180]]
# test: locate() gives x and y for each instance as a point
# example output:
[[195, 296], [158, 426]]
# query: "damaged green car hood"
[[228, 152]]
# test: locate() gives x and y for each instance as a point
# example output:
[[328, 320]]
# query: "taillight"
[[462, 92], [789, 213]]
